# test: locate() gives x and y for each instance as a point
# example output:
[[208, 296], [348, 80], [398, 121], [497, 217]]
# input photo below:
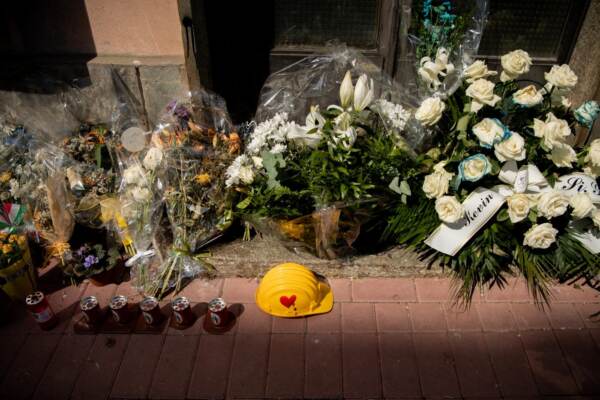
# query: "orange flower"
[[203, 179]]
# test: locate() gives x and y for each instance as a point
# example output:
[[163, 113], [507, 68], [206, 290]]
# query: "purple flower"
[[89, 261], [81, 251]]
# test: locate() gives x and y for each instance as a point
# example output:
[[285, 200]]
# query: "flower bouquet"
[[91, 170], [17, 276], [502, 183], [195, 142], [319, 173]]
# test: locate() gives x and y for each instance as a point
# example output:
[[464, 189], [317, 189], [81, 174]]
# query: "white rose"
[[593, 156], [153, 158], [449, 209], [489, 131], [582, 205], [477, 70], [518, 207], [474, 168], [529, 96], [246, 174], [133, 175], [563, 155], [596, 217], [540, 236], [561, 77], [140, 194], [436, 184], [482, 93], [553, 130], [512, 148], [514, 64], [430, 111], [592, 171], [552, 204]]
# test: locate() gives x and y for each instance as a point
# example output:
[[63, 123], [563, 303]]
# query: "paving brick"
[[239, 290], [530, 316], [361, 377], [137, 368], [438, 290], [400, 377], [549, 368], [473, 367], [323, 354], [515, 290], [427, 317], [392, 317], [64, 303], [173, 371], [100, 367], [289, 325], [61, 373], [211, 368], [286, 366], [596, 335], [19, 322], [384, 289], [133, 295], [459, 319], [342, 289], [564, 316], [9, 347], [249, 366], [358, 317], [590, 314], [326, 323], [582, 355], [203, 290], [254, 320], [496, 316], [510, 364], [436, 365], [575, 293], [28, 367]]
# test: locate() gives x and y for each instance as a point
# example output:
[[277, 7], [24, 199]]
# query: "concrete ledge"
[[253, 258]]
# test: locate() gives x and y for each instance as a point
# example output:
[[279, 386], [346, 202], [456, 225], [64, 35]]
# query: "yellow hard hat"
[[292, 290]]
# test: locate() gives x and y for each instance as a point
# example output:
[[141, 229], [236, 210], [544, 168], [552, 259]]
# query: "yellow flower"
[[7, 248], [5, 176], [22, 241], [292, 229], [202, 179], [12, 238]]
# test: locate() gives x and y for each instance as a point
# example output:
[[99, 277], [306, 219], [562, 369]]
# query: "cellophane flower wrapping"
[[195, 142], [331, 144], [444, 36]]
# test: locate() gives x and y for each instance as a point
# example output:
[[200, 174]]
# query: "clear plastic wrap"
[[330, 147], [190, 149], [446, 37]]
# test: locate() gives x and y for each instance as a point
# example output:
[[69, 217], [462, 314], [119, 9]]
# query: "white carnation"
[[153, 158]]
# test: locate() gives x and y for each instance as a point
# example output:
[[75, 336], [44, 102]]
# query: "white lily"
[[346, 90], [300, 136], [429, 72], [314, 119], [441, 59], [363, 93]]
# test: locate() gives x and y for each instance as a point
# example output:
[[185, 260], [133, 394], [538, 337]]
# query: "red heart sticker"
[[288, 301]]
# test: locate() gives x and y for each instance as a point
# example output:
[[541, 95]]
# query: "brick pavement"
[[385, 338]]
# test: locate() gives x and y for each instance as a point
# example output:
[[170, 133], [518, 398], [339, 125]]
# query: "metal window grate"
[[536, 26], [314, 22]]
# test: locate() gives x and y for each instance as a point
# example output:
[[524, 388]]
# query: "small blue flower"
[[587, 113], [89, 261], [474, 168]]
